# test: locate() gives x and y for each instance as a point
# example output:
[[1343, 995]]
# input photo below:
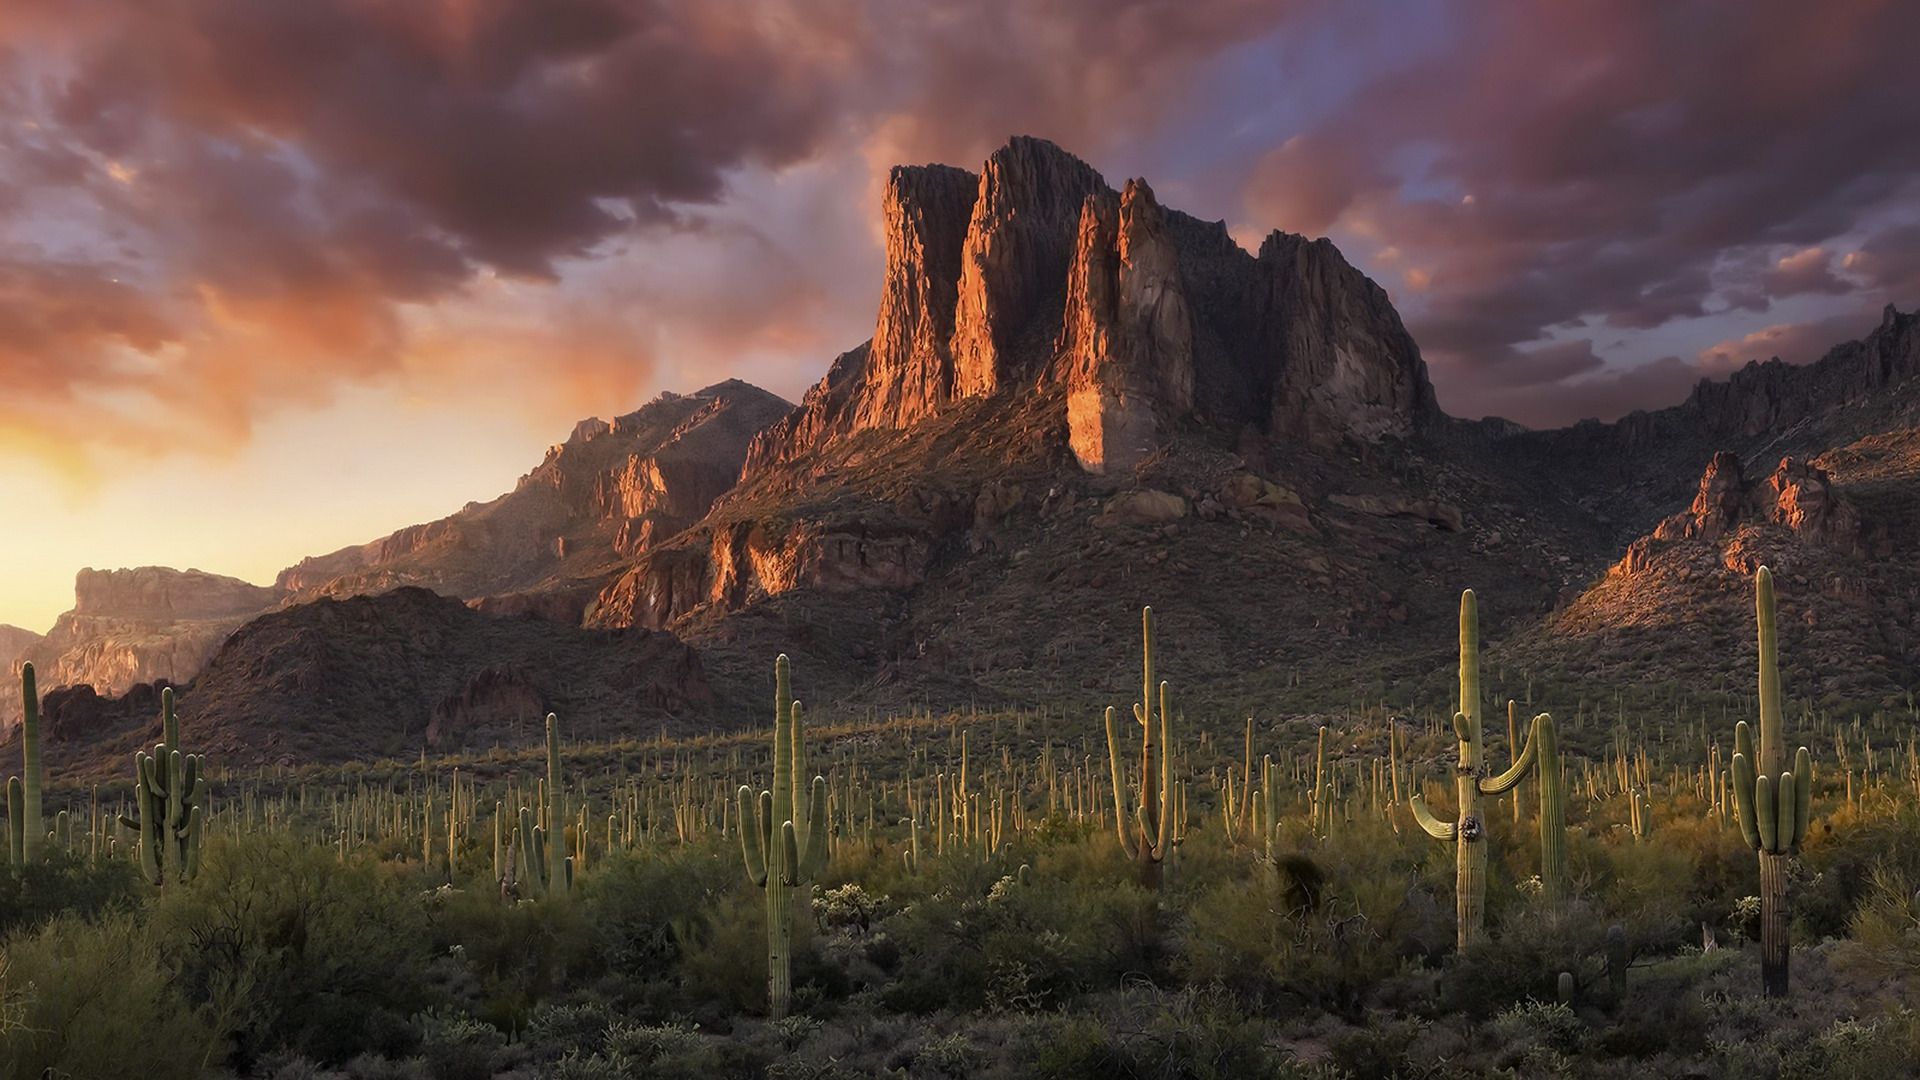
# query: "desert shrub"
[[559, 1028], [289, 949], [1004, 946], [64, 883], [95, 1000], [642, 910], [455, 1046], [520, 953], [1523, 960], [724, 964]]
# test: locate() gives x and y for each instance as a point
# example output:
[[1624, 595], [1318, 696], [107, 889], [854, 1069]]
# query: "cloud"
[[1629, 166], [210, 209]]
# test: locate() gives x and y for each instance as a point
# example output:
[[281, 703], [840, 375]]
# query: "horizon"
[[316, 275]]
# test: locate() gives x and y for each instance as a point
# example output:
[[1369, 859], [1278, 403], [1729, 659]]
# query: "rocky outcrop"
[[612, 490], [734, 564], [135, 626], [910, 367], [1126, 339], [1343, 364], [13, 642], [1020, 242], [162, 594], [1144, 315], [1796, 495]]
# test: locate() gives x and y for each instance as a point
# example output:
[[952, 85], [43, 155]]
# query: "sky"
[[276, 278]]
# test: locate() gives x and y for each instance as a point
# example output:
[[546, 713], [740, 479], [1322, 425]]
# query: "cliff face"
[[611, 491], [135, 626], [1772, 396], [1036, 272]]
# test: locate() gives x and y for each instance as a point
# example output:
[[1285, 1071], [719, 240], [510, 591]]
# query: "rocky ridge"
[[135, 626], [1077, 401]]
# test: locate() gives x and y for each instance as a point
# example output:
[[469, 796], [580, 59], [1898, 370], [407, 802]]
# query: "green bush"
[[289, 949], [95, 1001]]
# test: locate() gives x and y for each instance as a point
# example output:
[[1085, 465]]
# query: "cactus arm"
[[1167, 792], [1784, 790], [790, 854], [1743, 740], [1121, 795], [16, 820], [1444, 831], [1743, 792], [1802, 794], [1500, 785], [1764, 813], [751, 848], [814, 857]]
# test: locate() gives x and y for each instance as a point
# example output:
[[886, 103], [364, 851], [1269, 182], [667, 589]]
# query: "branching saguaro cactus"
[[1469, 832], [541, 846], [27, 828], [1146, 827], [169, 795], [783, 835], [1773, 804]]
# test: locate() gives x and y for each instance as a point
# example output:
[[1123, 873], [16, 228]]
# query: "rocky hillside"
[[1842, 533], [611, 491], [135, 626], [390, 676], [1076, 402]]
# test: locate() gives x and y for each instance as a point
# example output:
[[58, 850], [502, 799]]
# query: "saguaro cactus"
[[168, 794], [1551, 786], [1773, 804], [783, 835], [26, 826], [1146, 827], [541, 846], [1469, 832]]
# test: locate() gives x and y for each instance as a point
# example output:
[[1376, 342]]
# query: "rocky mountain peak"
[[1035, 273]]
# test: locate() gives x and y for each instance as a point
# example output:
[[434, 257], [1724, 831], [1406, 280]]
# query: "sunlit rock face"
[[137, 625], [910, 366], [1020, 243], [1796, 495], [732, 565], [612, 490], [1126, 339], [1044, 275]]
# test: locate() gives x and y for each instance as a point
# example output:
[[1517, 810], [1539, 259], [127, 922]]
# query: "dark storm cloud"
[[272, 180], [1614, 164]]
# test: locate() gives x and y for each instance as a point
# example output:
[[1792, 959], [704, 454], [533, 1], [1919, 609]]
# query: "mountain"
[[612, 490], [1077, 402], [129, 627]]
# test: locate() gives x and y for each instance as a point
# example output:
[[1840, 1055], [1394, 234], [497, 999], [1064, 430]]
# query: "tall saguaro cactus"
[[1773, 804], [1146, 827], [1469, 832], [1550, 783], [27, 826], [540, 849], [783, 835], [168, 793]]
